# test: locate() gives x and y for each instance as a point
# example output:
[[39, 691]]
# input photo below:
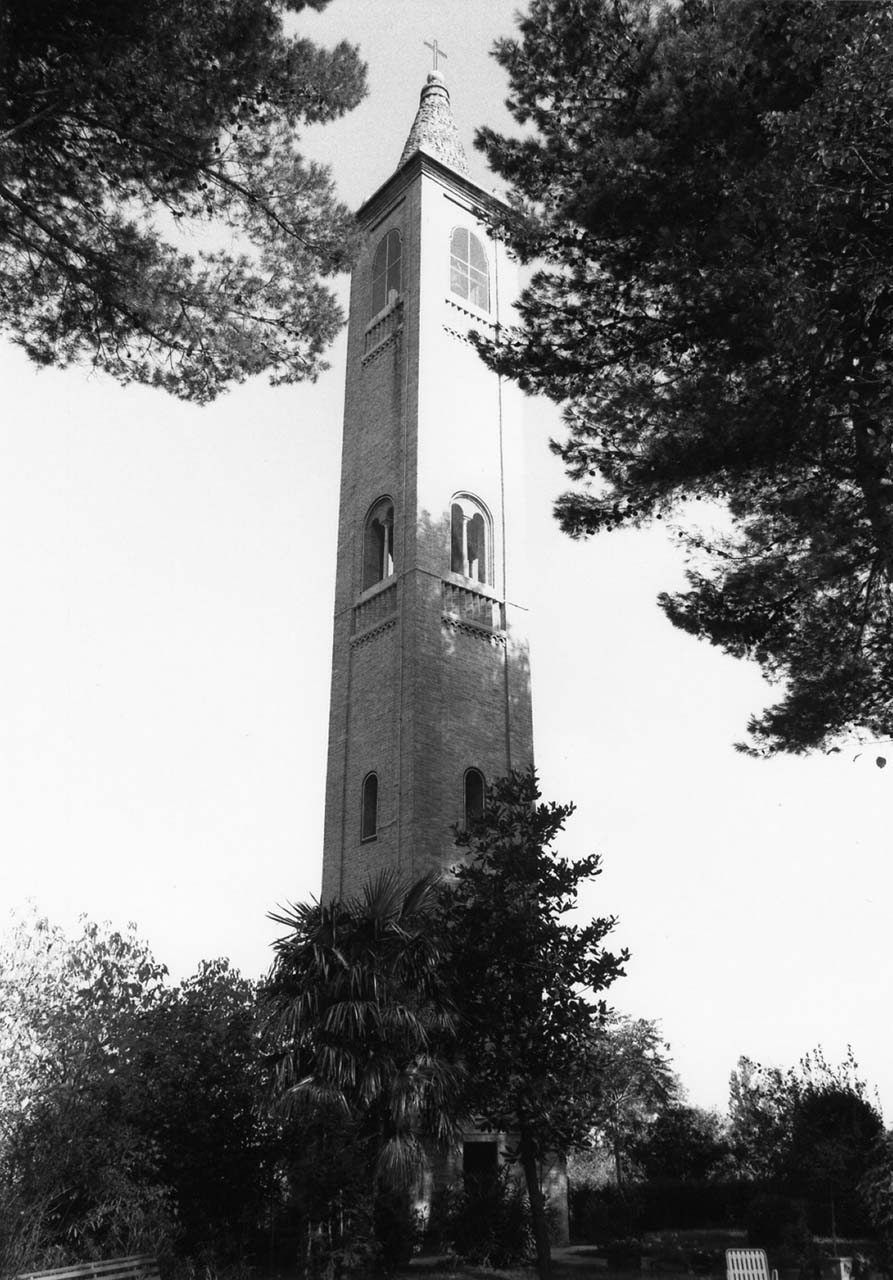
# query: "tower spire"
[[434, 130]]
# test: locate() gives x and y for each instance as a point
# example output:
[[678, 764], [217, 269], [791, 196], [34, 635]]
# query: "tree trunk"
[[874, 475], [537, 1206], [618, 1162]]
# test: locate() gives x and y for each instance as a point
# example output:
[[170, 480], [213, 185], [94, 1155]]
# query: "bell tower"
[[430, 671]]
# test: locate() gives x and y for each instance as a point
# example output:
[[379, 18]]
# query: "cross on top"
[[436, 50]]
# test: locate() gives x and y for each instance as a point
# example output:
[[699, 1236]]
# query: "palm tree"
[[358, 1018]]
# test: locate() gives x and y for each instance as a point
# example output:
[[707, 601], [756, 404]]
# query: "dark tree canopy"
[[122, 127], [814, 1128], [710, 186], [683, 1143], [526, 981]]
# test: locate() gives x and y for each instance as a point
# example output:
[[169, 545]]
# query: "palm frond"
[[400, 1160]]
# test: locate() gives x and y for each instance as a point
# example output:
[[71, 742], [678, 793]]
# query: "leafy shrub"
[[398, 1229], [487, 1224], [600, 1215], [773, 1217], [876, 1190]]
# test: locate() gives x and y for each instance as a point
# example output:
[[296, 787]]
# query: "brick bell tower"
[[430, 672]]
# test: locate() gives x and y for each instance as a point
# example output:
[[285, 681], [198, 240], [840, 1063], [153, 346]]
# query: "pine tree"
[[123, 127], [710, 186]]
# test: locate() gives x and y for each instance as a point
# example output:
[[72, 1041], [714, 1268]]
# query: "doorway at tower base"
[[476, 1161]]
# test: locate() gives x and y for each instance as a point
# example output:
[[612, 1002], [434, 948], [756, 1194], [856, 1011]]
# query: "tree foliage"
[[683, 1144], [197, 1093], [526, 981], [67, 1006], [357, 1013], [359, 1022], [876, 1187], [122, 126], [129, 1113], [76, 1175], [632, 1084], [759, 1113], [710, 185], [813, 1129]]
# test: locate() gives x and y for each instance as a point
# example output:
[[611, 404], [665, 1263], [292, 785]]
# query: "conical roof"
[[434, 129]]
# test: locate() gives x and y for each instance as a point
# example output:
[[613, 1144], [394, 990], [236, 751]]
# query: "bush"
[[398, 1229], [601, 1215], [487, 1225], [773, 1218], [668, 1204]]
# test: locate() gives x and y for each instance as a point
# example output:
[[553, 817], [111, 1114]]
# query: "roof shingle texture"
[[434, 129]]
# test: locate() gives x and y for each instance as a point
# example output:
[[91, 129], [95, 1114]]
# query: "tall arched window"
[[475, 794], [470, 539], [378, 543], [469, 277], [369, 813], [386, 270]]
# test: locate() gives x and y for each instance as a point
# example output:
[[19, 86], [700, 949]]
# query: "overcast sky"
[[167, 578]]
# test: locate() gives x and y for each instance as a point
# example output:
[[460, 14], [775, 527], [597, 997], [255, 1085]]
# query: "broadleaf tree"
[[526, 981], [130, 1114], [76, 1174], [708, 186], [632, 1084], [157, 218], [815, 1128], [684, 1143]]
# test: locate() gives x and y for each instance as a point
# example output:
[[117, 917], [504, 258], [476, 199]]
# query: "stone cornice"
[[420, 164]]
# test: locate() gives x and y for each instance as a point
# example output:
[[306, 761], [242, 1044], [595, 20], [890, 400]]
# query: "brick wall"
[[418, 696]]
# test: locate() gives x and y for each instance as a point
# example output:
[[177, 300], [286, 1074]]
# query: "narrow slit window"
[[369, 815], [469, 274], [378, 544], [386, 270], [475, 794]]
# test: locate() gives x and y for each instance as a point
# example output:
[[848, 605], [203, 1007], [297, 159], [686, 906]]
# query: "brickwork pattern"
[[430, 674]]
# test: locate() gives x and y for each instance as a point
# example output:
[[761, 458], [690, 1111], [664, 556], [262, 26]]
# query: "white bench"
[[139, 1266], [748, 1264]]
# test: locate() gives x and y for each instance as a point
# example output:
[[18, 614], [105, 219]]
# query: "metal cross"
[[436, 50]]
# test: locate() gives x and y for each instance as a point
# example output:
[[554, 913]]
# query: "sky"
[[167, 582]]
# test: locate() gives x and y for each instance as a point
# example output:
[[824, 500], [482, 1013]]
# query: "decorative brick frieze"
[[477, 318], [373, 632], [494, 638]]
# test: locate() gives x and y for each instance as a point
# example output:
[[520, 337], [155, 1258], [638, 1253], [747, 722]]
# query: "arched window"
[[475, 794], [369, 814], [469, 539], [378, 543], [468, 268], [386, 270]]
